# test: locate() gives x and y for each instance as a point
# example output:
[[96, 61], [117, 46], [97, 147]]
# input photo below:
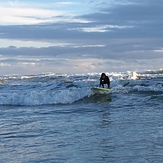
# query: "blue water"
[[57, 118]]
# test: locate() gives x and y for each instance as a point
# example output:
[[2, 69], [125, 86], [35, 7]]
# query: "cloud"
[[140, 19], [28, 13], [99, 28], [114, 35]]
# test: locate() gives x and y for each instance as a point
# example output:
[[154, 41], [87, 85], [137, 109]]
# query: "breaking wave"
[[49, 89]]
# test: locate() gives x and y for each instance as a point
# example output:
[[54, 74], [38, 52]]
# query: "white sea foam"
[[46, 89]]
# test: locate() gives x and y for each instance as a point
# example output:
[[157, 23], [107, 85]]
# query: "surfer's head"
[[103, 75]]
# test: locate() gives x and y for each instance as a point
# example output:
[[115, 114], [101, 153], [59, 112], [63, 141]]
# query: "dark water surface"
[[57, 119], [126, 128]]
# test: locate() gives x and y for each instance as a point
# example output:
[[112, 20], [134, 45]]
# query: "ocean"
[[57, 118]]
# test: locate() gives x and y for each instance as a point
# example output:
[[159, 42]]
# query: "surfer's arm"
[[100, 83], [108, 82]]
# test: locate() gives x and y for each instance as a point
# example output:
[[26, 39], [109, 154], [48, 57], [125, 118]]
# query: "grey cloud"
[[113, 49], [141, 18], [144, 16]]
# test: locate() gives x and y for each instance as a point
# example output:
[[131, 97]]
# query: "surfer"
[[104, 79]]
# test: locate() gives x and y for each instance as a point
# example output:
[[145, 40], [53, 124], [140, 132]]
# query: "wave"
[[154, 72], [52, 89], [41, 97]]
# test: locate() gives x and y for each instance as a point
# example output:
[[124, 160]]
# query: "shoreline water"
[[124, 126]]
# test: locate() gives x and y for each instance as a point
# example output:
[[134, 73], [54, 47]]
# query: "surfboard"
[[101, 90]]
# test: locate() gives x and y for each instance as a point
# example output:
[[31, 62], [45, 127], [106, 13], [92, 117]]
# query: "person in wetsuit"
[[104, 80]]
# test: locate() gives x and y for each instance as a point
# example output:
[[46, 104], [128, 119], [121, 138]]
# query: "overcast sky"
[[80, 36]]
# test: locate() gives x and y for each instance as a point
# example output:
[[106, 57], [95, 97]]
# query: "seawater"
[[57, 118]]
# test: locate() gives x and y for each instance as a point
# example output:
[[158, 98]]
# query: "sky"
[[80, 36]]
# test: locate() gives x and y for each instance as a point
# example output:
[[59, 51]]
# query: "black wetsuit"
[[105, 80]]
